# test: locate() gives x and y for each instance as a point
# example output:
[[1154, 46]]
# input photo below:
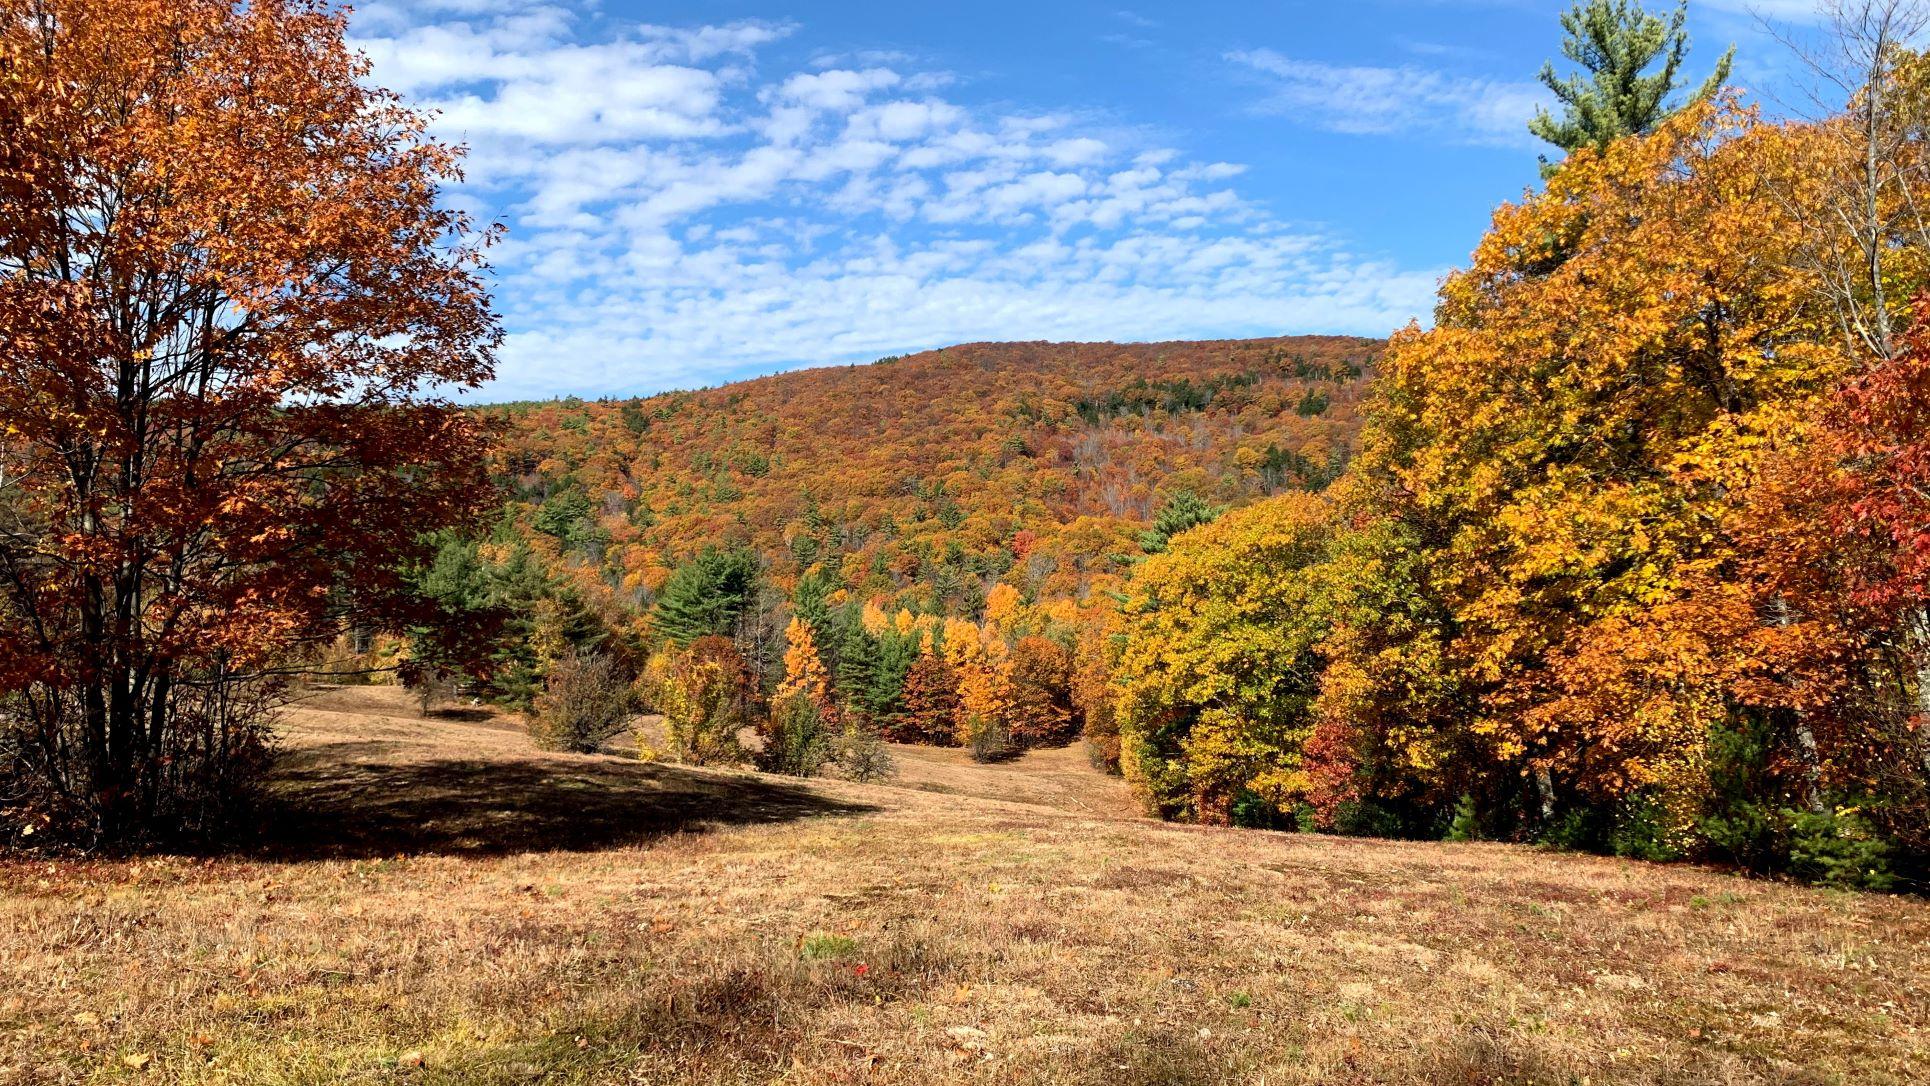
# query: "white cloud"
[[678, 215], [1365, 100], [837, 89], [1800, 11], [595, 95]]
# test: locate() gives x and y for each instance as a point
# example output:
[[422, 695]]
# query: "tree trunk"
[[1920, 700], [1545, 792]]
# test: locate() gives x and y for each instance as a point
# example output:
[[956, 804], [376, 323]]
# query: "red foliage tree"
[[931, 704], [1882, 434], [228, 297], [1040, 674], [1841, 568]]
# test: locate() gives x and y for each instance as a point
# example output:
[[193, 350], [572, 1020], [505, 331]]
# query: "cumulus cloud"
[[682, 210]]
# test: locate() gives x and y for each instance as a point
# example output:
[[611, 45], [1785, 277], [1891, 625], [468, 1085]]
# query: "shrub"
[[988, 738], [584, 702], [432, 687], [861, 754], [796, 742], [1747, 834], [1365, 818], [1577, 829], [1252, 811], [707, 695], [1838, 848], [1467, 821], [1742, 822], [1641, 832], [219, 735]]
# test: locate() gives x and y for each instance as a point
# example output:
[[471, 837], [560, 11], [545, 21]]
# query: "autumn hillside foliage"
[[907, 549], [924, 480]]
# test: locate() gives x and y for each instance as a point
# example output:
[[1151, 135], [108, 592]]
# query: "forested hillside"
[[926, 480]]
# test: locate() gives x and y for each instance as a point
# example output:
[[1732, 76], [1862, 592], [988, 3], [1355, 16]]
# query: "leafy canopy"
[[1216, 672], [231, 294]]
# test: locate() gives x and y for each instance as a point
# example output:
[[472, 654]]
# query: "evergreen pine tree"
[[465, 623], [1182, 511], [811, 600], [546, 621], [566, 517], [886, 696], [706, 595], [857, 669], [1614, 42]]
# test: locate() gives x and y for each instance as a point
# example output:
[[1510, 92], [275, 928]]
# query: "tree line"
[[1632, 556]]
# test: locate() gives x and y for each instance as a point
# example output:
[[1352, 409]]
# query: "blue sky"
[[701, 191]]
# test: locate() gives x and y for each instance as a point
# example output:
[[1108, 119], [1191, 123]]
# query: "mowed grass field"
[[438, 903]]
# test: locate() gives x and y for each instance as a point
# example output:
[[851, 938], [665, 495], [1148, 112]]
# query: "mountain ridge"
[[915, 474]]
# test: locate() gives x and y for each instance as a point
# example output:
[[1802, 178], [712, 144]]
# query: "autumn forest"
[[1621, 553]]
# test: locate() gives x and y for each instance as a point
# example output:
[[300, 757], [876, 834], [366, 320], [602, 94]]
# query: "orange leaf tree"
[[1040, 673], [1557, 465], [931, 704], [228, 299]]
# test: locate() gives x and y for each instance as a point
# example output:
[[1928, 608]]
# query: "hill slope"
[[448, 906], [933, 476]]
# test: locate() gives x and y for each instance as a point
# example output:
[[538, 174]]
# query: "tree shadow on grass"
[[347, 801], [463, 715]]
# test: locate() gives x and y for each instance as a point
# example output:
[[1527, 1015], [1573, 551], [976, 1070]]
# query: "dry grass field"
[[440, 904]]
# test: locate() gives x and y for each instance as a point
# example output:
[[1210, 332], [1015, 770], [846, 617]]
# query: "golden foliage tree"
[[804, 672], [1565, 446], [1218, 668], [707, 695]]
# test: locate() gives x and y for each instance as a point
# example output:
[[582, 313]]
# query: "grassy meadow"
[[440, 903]]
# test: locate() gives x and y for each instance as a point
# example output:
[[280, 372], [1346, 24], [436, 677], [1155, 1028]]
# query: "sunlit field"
[[446, 905]]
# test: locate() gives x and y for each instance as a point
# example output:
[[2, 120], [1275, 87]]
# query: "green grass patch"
[[822, 947]]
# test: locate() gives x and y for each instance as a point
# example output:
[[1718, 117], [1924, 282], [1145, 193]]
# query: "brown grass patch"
[[443, 905]]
